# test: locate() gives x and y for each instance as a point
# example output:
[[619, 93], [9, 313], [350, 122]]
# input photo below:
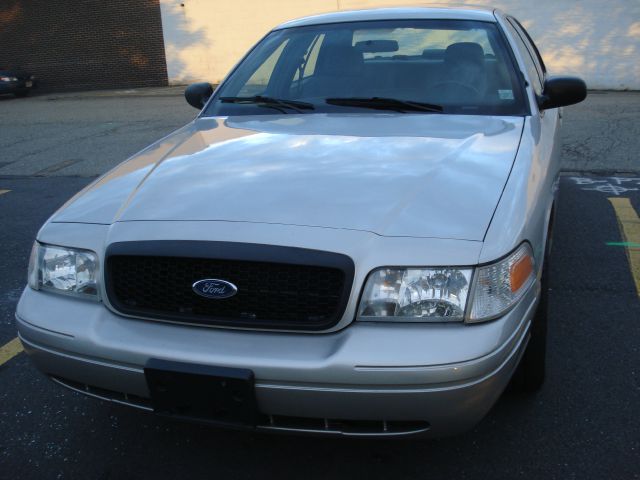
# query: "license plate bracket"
[[218, 395]]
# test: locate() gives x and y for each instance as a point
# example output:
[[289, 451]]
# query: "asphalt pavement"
[[85, 134], [583, 424]]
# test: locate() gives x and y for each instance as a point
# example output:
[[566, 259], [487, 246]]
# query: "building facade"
[[595, 39]]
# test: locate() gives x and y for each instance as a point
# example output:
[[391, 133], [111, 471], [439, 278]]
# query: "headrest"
[[464, 52], [340, 61]]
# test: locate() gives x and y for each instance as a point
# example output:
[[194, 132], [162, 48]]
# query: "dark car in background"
[[18, 83]]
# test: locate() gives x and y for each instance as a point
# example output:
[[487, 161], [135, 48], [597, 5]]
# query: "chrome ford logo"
[[214, 288]]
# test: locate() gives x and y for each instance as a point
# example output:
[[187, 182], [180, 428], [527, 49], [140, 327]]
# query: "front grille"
[[271, 294]]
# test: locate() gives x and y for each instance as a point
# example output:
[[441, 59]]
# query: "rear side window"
[[308, 66], [259, 80]]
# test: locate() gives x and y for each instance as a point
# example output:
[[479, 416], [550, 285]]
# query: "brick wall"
[[84, 44]]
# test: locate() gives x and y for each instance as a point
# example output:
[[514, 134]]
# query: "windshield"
[[410, 66]]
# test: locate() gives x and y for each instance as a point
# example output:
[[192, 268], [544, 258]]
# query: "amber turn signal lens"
[[520, 272], [500, 285]]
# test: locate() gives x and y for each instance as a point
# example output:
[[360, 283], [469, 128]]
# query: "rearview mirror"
[[562, 91], [377, 46], [197, 94]]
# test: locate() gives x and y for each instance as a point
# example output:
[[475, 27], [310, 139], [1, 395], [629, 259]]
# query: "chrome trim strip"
[[88, 393], [342, 432]]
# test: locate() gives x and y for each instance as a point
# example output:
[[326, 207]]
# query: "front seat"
[[338, 72]]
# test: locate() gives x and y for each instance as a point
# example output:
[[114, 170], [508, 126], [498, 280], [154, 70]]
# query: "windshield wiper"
[[277, 103], [382, 103]]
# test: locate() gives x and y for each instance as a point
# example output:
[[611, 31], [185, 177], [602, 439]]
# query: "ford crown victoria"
[[351, 238]]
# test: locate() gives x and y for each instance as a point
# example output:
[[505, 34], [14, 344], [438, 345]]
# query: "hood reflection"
[[390, 174]]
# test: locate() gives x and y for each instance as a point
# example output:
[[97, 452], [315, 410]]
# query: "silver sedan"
[[351, 237]]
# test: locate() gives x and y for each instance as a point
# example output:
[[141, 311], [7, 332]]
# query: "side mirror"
[[197, 94], [562, 91]]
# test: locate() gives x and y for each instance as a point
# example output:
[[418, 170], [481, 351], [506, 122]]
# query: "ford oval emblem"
[[214, 288]]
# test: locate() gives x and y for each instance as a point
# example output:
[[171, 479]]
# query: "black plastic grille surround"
[[278, 287]]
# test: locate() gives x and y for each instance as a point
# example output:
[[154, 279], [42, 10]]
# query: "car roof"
[[396, 13]]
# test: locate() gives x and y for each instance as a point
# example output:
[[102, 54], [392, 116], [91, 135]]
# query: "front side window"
[[534, 71], [425, 66], [535, 53]]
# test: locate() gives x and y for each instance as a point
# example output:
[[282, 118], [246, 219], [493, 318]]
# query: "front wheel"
[[529, 376]]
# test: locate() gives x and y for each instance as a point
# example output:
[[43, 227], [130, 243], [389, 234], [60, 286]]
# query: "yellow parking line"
[[629, 224], [10, 350], [4, 191]]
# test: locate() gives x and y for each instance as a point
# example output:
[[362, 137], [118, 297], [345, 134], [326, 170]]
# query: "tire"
[[22, 93], [530, 374]]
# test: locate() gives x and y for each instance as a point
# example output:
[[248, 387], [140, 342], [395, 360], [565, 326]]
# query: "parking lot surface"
[[583, 424]]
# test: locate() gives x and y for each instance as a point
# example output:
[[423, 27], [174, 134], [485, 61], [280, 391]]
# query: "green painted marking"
[[623, 244]]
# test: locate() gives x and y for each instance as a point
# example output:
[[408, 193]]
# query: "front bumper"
[[444, 377]]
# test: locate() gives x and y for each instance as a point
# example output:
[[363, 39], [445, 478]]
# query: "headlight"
[[497, 287], [415, 294], [440, 294], [64, 270], [8, 79]]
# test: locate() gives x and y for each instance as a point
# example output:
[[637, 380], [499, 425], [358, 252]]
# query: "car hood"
[[419, 175]]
